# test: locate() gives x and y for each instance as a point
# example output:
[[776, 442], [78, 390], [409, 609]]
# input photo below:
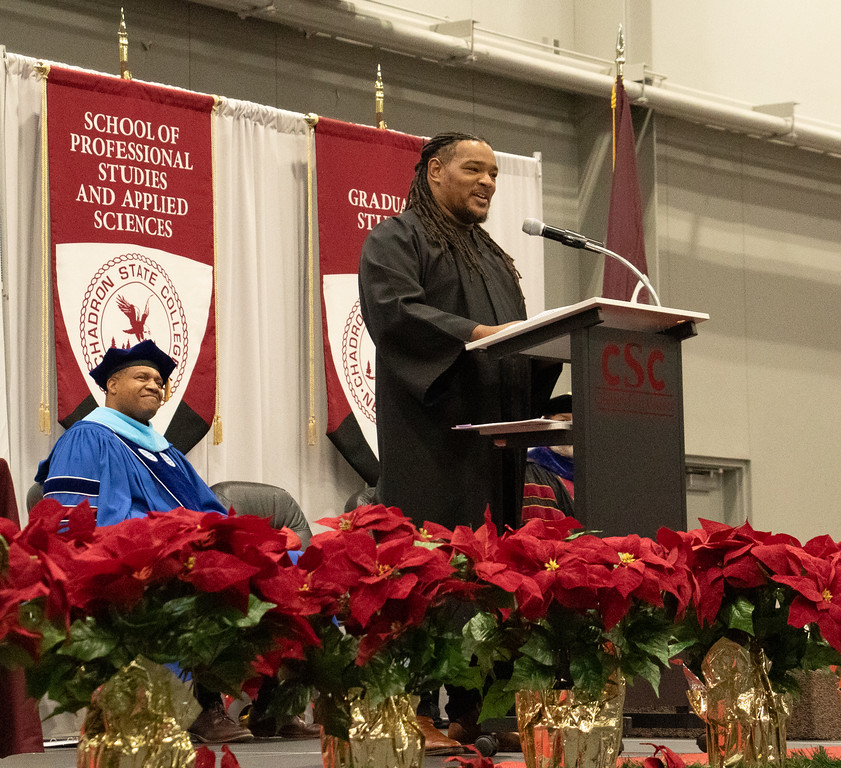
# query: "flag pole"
[[379, 99], [620, 53], [122, 37], [620, 71]]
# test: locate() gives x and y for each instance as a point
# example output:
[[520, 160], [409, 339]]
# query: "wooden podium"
[[627, 408]]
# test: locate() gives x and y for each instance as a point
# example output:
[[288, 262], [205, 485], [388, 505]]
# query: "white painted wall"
[[751, 51]]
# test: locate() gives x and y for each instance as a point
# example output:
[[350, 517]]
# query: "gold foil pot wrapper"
[[563, 729], [382, 736], [745, 717], [138, 719]]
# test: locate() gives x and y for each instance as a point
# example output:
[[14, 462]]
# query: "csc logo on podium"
[[633, 368], [635, 379]]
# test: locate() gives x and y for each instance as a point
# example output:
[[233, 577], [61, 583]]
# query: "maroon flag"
[[131, 214], [363, 177], [624, 227]]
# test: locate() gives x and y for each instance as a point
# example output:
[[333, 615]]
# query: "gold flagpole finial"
[[380, 99], [620, 53], [123, 38]]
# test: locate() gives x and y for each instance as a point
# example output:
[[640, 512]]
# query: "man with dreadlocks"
[[431, 279]]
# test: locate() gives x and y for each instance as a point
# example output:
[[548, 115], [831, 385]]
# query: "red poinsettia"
[[641, 570], [376, 519], [187, 586], [667, 758], [379, 582], [719, 555], [818, 600], [553, 569]]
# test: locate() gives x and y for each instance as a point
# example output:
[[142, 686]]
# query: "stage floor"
[[280, 753]]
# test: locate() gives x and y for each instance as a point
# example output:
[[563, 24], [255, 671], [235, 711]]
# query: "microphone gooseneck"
[[574, 240]]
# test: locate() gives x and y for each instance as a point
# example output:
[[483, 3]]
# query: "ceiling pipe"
[[347, 21]]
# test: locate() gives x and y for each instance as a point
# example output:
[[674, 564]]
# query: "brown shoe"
[[298, 728], [464, 733], [509, 741], [435, 742], [214, 726]]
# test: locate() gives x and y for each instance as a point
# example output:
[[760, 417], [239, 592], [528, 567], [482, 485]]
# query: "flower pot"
[[745, 717], [563, 729], [138, 719], [382, 736]]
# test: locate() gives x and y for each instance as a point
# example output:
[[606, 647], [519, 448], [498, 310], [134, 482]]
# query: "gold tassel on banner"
[[380, 100], [44, 420], [312, 120], [217, 415], [123, 42]]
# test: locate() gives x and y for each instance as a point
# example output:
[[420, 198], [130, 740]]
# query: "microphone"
[[574, 240], [565, 236]]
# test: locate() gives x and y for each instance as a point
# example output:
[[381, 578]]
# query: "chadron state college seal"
[[358, 359], [131, 299]]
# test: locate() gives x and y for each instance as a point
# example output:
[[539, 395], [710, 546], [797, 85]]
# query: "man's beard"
[[468, 217]]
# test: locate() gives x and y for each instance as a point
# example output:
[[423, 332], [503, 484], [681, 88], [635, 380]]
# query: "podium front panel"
[[628, 431]]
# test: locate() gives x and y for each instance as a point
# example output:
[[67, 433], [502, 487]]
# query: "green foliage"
[[567, 649], [205, 635], [760, 616]]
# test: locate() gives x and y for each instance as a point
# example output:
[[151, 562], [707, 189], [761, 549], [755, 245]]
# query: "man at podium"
[[430, 280]]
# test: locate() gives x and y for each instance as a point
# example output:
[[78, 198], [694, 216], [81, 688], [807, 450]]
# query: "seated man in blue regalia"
[[116, 460]]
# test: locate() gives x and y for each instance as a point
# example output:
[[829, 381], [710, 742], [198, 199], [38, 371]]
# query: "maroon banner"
[[131, 216], [624, 229], [363, 177]]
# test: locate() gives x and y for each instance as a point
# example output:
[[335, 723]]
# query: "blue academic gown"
[[123, 468]]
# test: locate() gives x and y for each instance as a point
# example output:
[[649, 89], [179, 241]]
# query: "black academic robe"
[[420, 306]]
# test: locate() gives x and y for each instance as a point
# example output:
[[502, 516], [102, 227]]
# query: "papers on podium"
[[613, 313], [527, 425]]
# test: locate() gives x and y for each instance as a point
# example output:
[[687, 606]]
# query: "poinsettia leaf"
[[530, 675], [179, 607], [205, 758], [538, 647], [88, 640], [739, 615], [469, 677], [229, 759], [820, 655], [497, 701], [644, 668], [257, 609], [481, 627], [589, 672]]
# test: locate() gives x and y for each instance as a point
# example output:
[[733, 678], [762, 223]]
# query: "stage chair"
[[264, 500], [360, 498], [34, 495]]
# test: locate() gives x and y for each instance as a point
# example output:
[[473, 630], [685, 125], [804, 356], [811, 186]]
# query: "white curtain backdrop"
[[263, 332]]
